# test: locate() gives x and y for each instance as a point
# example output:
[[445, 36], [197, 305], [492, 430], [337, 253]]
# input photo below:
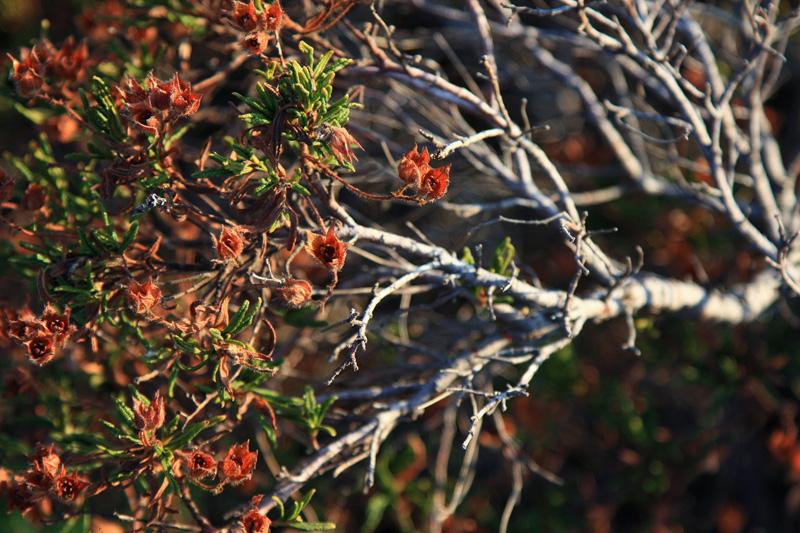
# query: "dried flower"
[[273, 16], [329, 250], [69, 486], [22, 326], [239, 463], [256, 42], [151, 107], [182, 99], [57, 324], [294, 293], [341, 143], [245, 16], [149, 417], [143, 296], [201, 465], [41, 348], [47, 461], [230, 243], [35, 197], [255, 522], [413, 166], [434, 184]]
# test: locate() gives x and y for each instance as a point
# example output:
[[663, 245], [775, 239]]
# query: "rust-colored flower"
[[41, 348], [294, 293], [149, 417], [434, 184], [245, 16], [6, 186], [143, 296], [182, 99], [255, 522], [57, 323], [35, 197], [328, 250], [273, 16], [22, 326], [239, 463], [69, 486], [342, 144], [25, 73], [255, 42], [230, 243], [201, 465], [414, 165]]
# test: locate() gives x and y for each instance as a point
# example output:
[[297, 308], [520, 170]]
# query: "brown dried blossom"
[[143, 296], [414, 165], [256, 24], [230, 243], [45, 67], [294, 293], [328, 250], [149, 416], [152, 107], [341, 143], [255, 522], [201, 465], [58, 323], [41, 348], [434, 184], [69, 486], [239, 463], [35, 197]]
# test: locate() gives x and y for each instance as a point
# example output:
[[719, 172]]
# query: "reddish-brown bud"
[[328, 250], [255, 522], [413, 166], [149, 417], [69, 486], [35, 197], [239, 463], [230, 243], [341, 144], [143, 296], [201, 465], [41, 348], [294, 293]]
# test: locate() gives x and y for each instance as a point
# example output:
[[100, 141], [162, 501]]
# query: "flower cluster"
[[415, 170], [42, 336], [154, 107], [256, 25], [234, 469], [49, 72], [47, 477]]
